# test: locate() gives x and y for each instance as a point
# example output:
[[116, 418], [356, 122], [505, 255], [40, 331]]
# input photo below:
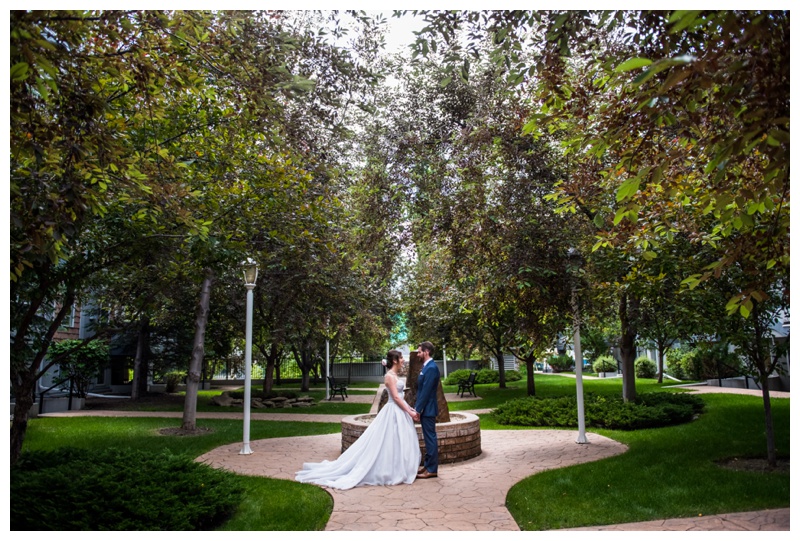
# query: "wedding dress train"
[[387, 453]]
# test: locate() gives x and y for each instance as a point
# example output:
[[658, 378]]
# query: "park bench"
[[468, 385], [337, 388]]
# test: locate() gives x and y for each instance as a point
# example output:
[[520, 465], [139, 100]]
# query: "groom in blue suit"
[[427, 408]]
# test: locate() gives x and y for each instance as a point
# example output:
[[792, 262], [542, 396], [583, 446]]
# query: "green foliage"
[[80, 361], [604, 363], [513, 375], [560, 363], [650, 410], [645, 368], [704, 361], [114, 489], [487, 375], [173, 379], [457, 376]]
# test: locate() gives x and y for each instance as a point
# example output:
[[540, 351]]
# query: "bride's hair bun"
[[392, 357]]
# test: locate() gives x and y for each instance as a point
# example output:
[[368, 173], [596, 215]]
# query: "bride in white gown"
[[387, 453]]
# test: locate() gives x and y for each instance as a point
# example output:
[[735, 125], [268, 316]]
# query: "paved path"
[[469, 495], [466, 496]]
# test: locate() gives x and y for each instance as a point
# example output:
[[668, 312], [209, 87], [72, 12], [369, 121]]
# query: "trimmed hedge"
[[482, 376], [457, 376], [116, 489], [650, 410]]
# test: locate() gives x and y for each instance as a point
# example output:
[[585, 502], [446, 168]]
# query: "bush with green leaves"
[[560, 363], [173, 379], [649, 410], [513, 375], [675, 360], [119, 489], [644, 368], [604, 363], [704, 361], [457, 376], [487, 375]]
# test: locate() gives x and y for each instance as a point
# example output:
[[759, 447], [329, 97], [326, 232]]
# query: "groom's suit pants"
[[431, 443]]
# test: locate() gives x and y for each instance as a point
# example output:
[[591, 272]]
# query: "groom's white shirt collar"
[[426, 362]]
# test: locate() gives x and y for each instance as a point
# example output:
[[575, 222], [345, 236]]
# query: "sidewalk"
[[467, 496]]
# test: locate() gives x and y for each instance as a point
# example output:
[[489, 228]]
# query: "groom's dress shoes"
[[426, 475], [421, 469]]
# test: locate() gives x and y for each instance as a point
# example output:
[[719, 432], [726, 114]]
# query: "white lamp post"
[[576, 346], [444, 357], [250, 276]]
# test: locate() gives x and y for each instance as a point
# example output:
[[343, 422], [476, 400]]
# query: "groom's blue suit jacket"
[[427, 385]]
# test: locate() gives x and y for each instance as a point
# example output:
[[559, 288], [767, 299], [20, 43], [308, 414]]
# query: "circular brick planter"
[[460, 439]]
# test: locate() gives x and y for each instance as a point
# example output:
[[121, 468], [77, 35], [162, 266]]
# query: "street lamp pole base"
[[581, 439], [246, 450]]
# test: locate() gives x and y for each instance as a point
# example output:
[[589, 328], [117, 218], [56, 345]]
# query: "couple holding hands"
[[388, 453]]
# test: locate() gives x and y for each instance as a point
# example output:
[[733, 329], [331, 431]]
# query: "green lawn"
[[667, 472], [334, 407]]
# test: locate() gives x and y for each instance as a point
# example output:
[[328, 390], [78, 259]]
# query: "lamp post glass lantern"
[[250, 271], [250, 277]]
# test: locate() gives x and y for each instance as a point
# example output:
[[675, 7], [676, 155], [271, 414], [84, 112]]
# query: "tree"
[[666, 126], [155, 120]]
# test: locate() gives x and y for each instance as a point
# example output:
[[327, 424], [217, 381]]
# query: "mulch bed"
[[758, 465]]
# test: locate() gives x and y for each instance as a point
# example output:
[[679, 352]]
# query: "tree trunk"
[[23, 398], [772, 458], [198, 352], [139, 383], [531, 366], [303, 358], [627, 346], [271, 356], [26, 372], [661, 349], [764, 367]]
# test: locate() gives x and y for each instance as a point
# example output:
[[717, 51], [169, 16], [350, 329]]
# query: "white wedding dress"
[[387, 453]]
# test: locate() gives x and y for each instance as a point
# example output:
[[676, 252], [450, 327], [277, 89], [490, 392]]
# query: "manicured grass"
[[48, 433], [546, 385], [277, 504], [322, 406]]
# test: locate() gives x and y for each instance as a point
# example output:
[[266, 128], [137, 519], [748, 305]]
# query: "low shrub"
[[560, 363], [173, 379], [513, 375], [487, 375], [649, 410], [604, 363], [644, 368], [116, 489], [457, 376]]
